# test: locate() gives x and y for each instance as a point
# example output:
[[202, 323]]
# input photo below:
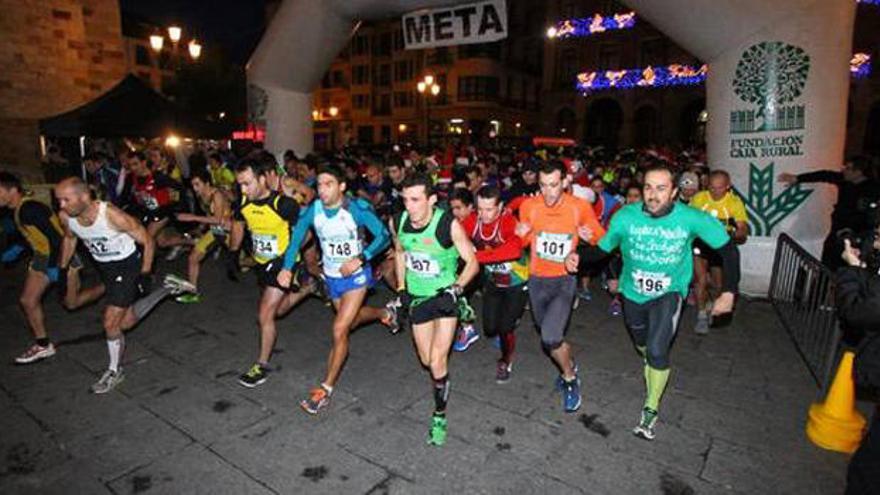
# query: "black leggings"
[[502, 307], [653, 325]]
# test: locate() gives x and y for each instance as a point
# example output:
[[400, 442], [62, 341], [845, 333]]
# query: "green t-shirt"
[[657, 252]]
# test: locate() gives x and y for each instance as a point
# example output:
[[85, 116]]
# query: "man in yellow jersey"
[[723, 204], [270, 218]]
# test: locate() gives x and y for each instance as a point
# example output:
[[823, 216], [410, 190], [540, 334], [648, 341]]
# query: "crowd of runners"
[[536, 229]]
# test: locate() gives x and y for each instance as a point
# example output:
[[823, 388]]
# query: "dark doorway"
[[604, 120]]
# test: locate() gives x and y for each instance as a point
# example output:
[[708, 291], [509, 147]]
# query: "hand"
[[350, 267], [144, 283], [523, 229], [723, 304], [585, 233], [12, 253], [284, 278], [613, 285], [787, 178], [572, 261], [851, 255], [454, 291], [54, 274]]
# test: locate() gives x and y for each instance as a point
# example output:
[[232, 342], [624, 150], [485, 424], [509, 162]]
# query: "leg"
[[368, 314], [153, 228], [113, 316], [701, 282], [347, 310], [291, 299], [553, 329], [194, 263], [663, 315], [269, 303], [35, 286], [77, 297]]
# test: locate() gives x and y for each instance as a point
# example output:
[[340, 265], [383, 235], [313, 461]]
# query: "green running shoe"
[[437, 435], [188, 298]]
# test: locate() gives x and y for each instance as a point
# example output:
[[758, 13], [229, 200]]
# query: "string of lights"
[[587, 26], [860, 65], [649, 77]]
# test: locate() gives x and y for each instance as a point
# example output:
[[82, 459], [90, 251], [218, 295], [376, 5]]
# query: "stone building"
[[56, 55]]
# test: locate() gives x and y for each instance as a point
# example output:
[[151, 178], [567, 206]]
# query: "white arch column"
[[776, 95]]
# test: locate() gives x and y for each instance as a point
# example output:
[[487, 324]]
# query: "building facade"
[[487, 91], [56, 55], [156, 69]]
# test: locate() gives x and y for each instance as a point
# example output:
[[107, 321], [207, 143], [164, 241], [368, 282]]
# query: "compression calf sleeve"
[[655, 381]]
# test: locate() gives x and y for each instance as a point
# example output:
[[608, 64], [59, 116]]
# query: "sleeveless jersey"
[[148, 194], [430, 267], [270, 231], [504, 274], [105, 243], [37, 239], [339, 235]]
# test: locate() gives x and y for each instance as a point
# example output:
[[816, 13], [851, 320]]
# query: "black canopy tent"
[[131, 109]]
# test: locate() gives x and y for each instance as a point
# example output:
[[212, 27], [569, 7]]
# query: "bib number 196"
[[650, 283]]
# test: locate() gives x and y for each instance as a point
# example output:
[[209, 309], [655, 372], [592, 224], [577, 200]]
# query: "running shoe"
[[571, 395], [254, 377], [390, 318], [702, 326], [35, 353], [502, 371], [465, 336], [647, 421], [560, 382], [585, 294], [496, 340], [437, 434], [109, 380], [174, 253], [615, 308], [178, 284], [188, 298], [318, 399]]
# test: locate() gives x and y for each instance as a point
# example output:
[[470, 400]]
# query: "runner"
[[269, 217], [461, 204], [112, 238], [505, 273], [552, 224], [428, 244], [723, 204], [41, 230], [215, 204], [339, 221], [655, 239]]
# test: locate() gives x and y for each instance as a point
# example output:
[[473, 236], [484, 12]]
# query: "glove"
[[144, 283], [404, 300], [11, 254], [53, 273], [454, 291], [232, 267]]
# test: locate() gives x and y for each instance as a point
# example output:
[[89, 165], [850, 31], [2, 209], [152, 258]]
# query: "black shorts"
[[703, 250], [502, 307], [439, 306], [267, 273], [120, 278]]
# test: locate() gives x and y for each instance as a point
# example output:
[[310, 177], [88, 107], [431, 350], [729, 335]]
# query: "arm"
[[510, 250], [68, 244], [466, 251], [38, 215], [125, 223], [399, 258], [297, 237], [381, 237], [827, 176], [858, 298]]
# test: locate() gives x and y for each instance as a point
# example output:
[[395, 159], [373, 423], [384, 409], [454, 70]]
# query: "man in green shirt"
[[428, 244], [655, 238]]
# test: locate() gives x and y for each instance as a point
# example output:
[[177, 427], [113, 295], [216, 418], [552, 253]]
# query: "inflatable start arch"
[[776, 94]]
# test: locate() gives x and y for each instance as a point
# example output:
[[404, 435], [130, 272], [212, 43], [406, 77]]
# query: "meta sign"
[[480, 22]]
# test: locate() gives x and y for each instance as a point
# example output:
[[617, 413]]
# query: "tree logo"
[[769, 75], [765, 210]]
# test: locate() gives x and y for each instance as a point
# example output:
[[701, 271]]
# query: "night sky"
[[234, 25]]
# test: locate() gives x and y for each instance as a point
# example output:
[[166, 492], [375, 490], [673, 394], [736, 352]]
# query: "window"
[[365, 134], [566, 67], [360, 74], [477, 88], [398, 40], [403, 99], [338, 79], [382, 45], [441, 56], [141, 55], [360, 101], [361, 45], [403, 70], [386, 134], [382, 105], [382, 75]]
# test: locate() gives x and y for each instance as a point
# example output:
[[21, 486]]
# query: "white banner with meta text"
[[479, 22]]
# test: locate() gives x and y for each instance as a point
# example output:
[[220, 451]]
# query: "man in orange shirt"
[[552, 224]]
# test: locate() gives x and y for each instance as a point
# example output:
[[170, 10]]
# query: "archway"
[[692, 123], [647, 126], [603, 123]]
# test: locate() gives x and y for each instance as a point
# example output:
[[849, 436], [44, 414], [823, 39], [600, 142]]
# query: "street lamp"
[[334, 111], [195, 49], [428, 87], [174, 33], [156, 42]]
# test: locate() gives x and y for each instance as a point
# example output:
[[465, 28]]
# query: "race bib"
[[422, 264], [266, 245], [499, 273], [341, 250], [553, 247], [150, 202], [650, 283], [217, 230], [99, 248]]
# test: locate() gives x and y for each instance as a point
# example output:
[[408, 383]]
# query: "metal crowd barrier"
[[802, 293]]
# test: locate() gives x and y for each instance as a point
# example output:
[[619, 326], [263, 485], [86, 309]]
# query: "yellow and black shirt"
[[269, 220], [41, 229]]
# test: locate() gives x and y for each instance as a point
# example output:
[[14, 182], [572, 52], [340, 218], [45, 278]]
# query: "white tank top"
[[104, 242]]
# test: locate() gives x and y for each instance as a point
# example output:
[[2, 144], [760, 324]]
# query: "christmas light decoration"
[[860, 65], [586, 26], [649, 77]]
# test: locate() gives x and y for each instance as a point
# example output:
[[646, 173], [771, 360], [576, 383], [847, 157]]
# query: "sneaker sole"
[[576, 406], [34, 359], [107, 390], [252, 385], [640, 432], [314, 412]]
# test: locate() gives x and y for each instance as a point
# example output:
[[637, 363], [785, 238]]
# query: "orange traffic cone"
[[836, 424]]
